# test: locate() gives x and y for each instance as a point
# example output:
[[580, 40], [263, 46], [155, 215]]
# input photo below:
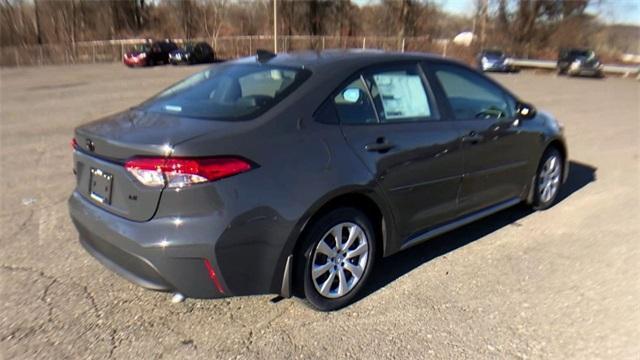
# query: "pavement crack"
[[22, 225], [53, 280], [44, 299], [14, 268], [248, 342], [92, 300], [113, 341]]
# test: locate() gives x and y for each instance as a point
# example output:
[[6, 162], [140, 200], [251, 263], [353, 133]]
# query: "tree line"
[[520, 26]]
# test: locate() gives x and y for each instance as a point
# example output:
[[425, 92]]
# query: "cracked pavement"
[[563, 283]]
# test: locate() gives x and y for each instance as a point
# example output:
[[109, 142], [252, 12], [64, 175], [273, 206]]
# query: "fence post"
[[121, 50], [41, 55], [93, 52], [323, 43], [364, 42], [444, 52], [250, 46], [402, 44]]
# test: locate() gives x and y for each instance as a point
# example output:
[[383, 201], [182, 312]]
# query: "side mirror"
[[525, 110]]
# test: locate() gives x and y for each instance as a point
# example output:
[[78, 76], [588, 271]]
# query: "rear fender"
[[283, 275]]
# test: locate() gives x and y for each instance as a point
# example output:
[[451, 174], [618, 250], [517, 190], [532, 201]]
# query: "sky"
[[610, 11]]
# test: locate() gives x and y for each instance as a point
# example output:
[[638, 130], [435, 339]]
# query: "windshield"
[[493, 54], [142, 47], [582, 54], [228, 92]]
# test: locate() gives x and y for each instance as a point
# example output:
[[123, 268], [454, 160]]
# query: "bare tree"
[[213, 14]]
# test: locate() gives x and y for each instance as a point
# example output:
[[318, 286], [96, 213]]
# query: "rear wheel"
[[548, 179], [337, 258]]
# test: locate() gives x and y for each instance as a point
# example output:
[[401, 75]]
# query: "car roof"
[[337, 59]]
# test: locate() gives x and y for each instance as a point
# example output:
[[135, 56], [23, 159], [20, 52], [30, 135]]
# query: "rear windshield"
[[228, 92]]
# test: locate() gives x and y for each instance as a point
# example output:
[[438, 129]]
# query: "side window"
[[471, 96], [400, 95], [267, 83], [353, 106]]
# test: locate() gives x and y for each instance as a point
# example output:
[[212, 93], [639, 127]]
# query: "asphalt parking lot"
[[564, 283]]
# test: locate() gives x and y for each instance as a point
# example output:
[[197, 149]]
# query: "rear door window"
[[400, 95]]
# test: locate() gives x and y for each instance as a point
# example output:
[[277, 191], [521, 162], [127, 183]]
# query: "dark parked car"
[[291, 174], [200, 53], [494, 60], [149, 54], [582, 62]]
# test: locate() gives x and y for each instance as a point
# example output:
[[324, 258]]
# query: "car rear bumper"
[[153, 254]]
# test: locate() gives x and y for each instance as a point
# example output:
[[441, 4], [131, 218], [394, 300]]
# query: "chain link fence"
[[225, 48]]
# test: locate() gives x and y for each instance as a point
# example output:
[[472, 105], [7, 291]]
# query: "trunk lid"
[[105, 145]]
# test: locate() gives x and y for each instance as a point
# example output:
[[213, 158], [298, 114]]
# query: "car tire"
[[332, 275], [548, 179]]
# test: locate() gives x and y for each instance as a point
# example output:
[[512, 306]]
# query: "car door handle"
[[381, 145], [472, 137]]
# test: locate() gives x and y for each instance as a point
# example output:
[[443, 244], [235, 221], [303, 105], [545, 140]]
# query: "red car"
[[149, 54]]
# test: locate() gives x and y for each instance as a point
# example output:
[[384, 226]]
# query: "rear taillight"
[[180, 172], [74, 144]]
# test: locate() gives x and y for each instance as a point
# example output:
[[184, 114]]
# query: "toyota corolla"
[[291, 174]]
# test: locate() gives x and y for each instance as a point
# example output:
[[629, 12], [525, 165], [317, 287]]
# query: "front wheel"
[[548, 179], [337, 258]]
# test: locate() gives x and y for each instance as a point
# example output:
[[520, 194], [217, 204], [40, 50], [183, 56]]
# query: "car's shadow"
[[391, 268]]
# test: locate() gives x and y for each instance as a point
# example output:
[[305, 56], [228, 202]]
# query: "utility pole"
[[275, 26]]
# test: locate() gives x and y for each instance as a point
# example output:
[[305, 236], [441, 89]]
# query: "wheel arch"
[[364, 199], [357, 200]]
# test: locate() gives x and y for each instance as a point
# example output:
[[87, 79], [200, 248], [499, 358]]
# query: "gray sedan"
[[291, 173]]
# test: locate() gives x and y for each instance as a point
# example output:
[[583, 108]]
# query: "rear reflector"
[[213, 276], [181, 172]]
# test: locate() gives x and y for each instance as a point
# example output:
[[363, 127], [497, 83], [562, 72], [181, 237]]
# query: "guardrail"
[[625, 70]]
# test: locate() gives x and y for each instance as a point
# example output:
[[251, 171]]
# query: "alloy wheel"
[[339, 260], [549, 179]]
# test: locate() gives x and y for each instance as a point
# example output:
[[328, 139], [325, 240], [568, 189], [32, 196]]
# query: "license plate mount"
[[100, 185]]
